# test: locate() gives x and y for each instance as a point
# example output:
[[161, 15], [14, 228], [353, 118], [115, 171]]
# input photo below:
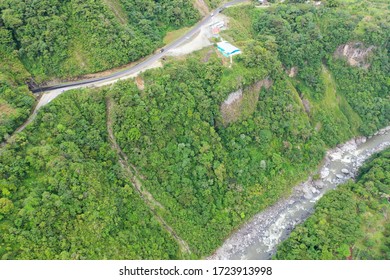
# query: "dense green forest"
[[16, 100], [63, 195], [350, 222], [63, 39], [210, 177], [63, 191], [44, 40], [306, 37]]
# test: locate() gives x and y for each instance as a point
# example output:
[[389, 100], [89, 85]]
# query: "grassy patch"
[[338, 103], [116, 8], [331, 113], [240, 24], [174, 35], [5, 110]]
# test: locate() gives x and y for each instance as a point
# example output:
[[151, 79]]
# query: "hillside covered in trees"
[[64, 196], [63, 189], [55, 40], [16, 100], [63, 39], [350, 222]]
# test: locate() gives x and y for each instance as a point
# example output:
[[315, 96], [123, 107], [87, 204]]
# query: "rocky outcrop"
[[306, 105], [242, 102], [355, 53], [292, 72]]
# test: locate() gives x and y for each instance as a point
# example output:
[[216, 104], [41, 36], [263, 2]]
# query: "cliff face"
[[355, 53], [243, 102]]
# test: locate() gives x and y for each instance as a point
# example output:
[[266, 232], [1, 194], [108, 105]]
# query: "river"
[[258, 238]]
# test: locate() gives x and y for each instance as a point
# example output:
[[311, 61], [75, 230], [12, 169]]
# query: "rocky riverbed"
[[258, 239]]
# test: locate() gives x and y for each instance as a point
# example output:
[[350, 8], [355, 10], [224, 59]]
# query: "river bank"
[[258, 238]]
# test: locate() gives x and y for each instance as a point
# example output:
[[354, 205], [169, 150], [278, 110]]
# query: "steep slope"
[[71, 200], [15, 99], [57, 39], [350, 222], [210, 175]]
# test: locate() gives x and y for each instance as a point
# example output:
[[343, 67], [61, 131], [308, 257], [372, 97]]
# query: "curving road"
[[144, 64], [52, 92]]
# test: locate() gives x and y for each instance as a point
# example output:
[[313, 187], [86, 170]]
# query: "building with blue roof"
[[228, 49]]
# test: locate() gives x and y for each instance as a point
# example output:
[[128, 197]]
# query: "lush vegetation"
[[42, 40], [15, 99], [63, 192], [214, 3], [62, 195], [69, 38], [211, 177], [350, 222], [307, 36]]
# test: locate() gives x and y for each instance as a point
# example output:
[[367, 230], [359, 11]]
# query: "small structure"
[[216, 28], [228, 49]]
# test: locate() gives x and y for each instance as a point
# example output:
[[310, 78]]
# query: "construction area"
[[203, 38]]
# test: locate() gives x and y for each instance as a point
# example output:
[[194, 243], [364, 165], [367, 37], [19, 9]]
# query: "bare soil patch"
[[355, 53], [202, 7]]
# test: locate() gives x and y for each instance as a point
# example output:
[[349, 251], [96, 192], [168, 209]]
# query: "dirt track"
[[131, 173]]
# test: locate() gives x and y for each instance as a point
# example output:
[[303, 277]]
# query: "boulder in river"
[[314, 190], [324, 173], [319, 184], [361, 140], [339, 176], [307, 195], [345, 171]]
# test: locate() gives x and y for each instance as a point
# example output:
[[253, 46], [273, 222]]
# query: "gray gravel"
[[258, 239]]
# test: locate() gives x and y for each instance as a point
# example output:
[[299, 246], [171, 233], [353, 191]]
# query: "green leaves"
[[347, 220], [6, 206], [66, 198], [66, 39]]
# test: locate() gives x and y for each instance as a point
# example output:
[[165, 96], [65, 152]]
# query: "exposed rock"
[[242, 102], [293, 72], [319, 184], [355, 53], [266, 83], [234, 96], [306, 104], [324, 173], [345, 171], [361, 140], [314, 190]]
